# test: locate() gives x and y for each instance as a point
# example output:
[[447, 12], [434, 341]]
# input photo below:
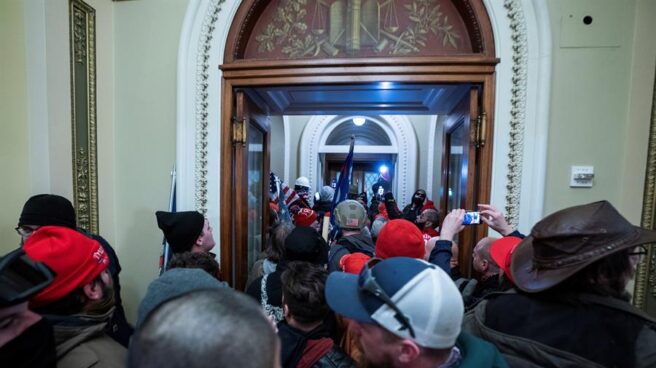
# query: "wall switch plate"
[[582, 177]]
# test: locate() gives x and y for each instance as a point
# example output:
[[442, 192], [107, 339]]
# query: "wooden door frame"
[[252, 115], [478, 70]]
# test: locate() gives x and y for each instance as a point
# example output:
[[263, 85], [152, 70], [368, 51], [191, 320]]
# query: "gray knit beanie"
[[327, 193], [172, 284]]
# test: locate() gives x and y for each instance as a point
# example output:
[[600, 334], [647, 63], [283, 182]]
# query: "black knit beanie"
[[305, 244], [48, 209], [181, 229]]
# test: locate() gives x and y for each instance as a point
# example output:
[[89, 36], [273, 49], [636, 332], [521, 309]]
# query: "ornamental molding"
[[202, 103], [523, 72], [83, 112], [517, 121], [398, 128], [645, 280]]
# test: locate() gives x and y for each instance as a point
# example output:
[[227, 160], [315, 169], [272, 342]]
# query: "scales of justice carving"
[[337, 28]]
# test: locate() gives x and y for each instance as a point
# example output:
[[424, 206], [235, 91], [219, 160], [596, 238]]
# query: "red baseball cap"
[[305, 217], [353, 262], [501, 252], [75, 258]]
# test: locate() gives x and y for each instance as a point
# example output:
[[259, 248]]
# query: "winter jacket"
[[441, 255], [410, 212], [314, 349], [346, 245], [33, 347], [477, 353], [82, 343], [565, 330]]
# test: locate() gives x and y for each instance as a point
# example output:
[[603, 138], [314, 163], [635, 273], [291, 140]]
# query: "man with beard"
[[408, 313], [55, 210], [411, 211], [428, 221], [571, 307], [80, 301]]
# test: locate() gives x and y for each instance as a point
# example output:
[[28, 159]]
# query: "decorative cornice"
[[202, 102], [517, 109], [476, 35]]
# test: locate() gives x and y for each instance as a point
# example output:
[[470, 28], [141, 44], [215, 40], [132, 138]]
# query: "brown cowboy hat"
[[567, 241]]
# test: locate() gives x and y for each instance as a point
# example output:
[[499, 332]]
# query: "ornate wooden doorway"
[[297, 43]]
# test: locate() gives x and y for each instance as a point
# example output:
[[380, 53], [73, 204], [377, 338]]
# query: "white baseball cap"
[[408, 297]]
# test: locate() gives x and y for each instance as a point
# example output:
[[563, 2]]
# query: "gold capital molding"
[[644, 295], [82, 22]]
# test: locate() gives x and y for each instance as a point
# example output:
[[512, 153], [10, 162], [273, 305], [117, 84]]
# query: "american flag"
[[290, 195]]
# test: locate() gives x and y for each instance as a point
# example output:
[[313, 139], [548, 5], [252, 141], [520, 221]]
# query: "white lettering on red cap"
[[99, 255]]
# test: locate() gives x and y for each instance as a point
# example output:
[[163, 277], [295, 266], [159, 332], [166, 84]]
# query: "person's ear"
[[285, 311], [485, 264], [409, 351], [93, 290]]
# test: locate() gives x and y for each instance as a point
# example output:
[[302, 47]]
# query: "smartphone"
[[472, 218]]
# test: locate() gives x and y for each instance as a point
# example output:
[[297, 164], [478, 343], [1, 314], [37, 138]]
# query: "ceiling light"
[[359, 120]]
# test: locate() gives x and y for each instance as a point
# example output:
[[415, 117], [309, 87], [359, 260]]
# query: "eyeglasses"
[[367, 283], [640, 252], [25, 230]]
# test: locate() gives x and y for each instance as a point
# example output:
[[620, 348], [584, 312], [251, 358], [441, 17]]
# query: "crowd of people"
[[375, 287]]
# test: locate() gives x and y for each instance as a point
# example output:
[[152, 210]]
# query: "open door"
[[464, 135], [251, 150]]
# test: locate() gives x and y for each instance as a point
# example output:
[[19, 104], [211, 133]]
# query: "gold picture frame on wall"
[[644, 295], [82, 18]]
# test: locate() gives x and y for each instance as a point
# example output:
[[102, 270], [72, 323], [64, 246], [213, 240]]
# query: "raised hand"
[[495, 219], [452, 224]]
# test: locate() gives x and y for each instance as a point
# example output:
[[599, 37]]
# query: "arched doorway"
[[338, 47], [401, 149]]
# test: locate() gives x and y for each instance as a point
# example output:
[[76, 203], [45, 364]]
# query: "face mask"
[[418, 199]]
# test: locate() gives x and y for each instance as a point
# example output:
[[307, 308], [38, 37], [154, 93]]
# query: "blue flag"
[[342, 189]]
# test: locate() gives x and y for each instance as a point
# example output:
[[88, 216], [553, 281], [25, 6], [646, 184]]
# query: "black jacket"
[[294, 341], [347, 245], [565, 330]]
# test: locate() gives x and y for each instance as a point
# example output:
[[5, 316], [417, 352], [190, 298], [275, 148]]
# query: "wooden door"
[[464, 134], [251, 140]]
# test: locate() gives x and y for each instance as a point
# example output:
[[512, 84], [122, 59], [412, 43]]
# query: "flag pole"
[[342, 189], [166, 250]]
